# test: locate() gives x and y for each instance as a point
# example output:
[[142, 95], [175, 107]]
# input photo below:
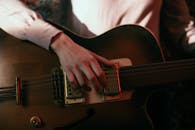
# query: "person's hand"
[[80, 65]]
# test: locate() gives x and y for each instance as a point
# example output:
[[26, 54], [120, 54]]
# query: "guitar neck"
[[158, 73]]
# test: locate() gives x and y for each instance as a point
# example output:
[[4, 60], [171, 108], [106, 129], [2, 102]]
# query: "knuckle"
[[91, 58]]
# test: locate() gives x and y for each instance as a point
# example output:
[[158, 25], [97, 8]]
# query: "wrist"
[[55, 41], [60, 41]]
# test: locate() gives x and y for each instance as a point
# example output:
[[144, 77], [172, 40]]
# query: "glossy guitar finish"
[[24, 59]]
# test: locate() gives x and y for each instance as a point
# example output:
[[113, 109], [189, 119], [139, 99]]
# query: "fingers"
[[90, 70], [102, 59], [75, 77], [84, 69], [91, 76], [71, 78], [78, 76], [81, 75], [99, 72]]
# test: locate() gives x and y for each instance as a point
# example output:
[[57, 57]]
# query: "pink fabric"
[[93, 17], [102, 15], [23, 23]]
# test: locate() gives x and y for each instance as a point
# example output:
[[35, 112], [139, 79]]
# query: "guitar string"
[[9, 97], [135, 69], [122, 71], [8, 94], [37, 83], [50, 80]]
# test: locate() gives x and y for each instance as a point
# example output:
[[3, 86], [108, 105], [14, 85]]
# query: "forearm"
[[23, 23]]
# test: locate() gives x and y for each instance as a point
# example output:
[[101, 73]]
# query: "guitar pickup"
[[74, 95], [65, 93], [113, 83]]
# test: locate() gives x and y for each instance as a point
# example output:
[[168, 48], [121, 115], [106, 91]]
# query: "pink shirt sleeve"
[[18, 20]]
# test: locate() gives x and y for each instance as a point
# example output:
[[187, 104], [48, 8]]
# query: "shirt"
[[89, 17]]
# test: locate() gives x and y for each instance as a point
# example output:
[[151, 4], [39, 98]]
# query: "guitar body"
[[24, 59]]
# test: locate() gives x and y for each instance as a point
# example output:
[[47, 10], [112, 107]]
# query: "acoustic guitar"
[[34, 91]]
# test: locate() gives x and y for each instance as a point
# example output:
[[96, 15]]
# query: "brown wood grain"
[[30, 61]]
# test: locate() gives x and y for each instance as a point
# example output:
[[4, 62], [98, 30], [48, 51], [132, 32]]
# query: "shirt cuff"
[[41, 33]]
